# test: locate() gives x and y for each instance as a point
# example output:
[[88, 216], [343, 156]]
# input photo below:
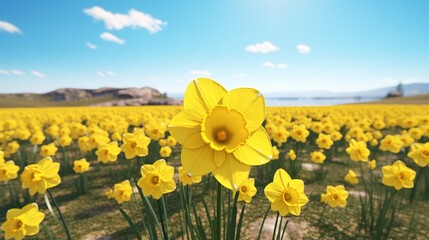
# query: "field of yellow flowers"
[[223, 166]]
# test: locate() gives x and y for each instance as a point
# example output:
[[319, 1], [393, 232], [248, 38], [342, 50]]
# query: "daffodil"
[[391, 143], [41, 176], [398, 175], [351, 177], [276, 153], [157, 179], [221, 132], [8, 170], [187, 179], [122, 192], [291, 154], [324, 141], [22, 222], [108, 152], [420, 154], [285, 194], [358, 151], [135, 144], [318, 157], [81, 166], [48, 150], [335, 196], [299, 133], [165, 151], [246, 190]]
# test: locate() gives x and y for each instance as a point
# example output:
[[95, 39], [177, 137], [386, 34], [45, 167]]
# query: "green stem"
[[61, 215], [219, 211]]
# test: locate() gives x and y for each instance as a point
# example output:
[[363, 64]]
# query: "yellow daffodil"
[[318, 157], [324, 141], [41, 176], [48, 150], [165, 151], [187, 179], [291, 154], [8, 170], [246, 190], [299, 133], [171, 141], [276, 153], [398, 175], [37, 138], [420, 154], [22, 222], [285, 194], [81, 166], [351, 177], [358, 151], [157, 179], [391, 143], [108, 152], [372, 164], [135, 144], [221, 132], [122, 192], [335, 196], [280, 135]]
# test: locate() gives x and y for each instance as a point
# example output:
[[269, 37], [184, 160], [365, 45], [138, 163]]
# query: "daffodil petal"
[[219, 158], [199, 161], [202, 95], [257, 150], [273, 191], [250, 103], [186, 129], [282, 177], [232, 173]]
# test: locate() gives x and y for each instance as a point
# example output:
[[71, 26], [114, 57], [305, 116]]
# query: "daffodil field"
[[222, 166]]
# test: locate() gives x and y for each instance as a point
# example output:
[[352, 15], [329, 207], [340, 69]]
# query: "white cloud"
[[411, 80], [282, 65], [17, 72], [90, 45], [273, 65], [4, 72], [111, 38], [268, 64], [388, 81], [105, 74], [200, 73], [264, 47], [37, 74], [8, 27], [303, 49], [118, 21]]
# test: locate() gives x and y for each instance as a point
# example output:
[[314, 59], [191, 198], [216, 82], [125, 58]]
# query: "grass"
[[417, 99], [35, 100]]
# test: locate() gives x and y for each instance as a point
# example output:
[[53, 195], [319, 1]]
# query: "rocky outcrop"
[[123, 96], [141, 101]]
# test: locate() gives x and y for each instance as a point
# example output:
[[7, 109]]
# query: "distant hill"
[[89, 97], [409, 90], [416, 99]]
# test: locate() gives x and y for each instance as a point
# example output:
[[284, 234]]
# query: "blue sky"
[[271, 45]]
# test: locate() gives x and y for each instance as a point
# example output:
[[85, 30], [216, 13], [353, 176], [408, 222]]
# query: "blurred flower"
[[318, 157], [291, 154], [81, 166], [335, 196], [324, 141], [358, 151], [8, 170], [48, 150], [391, 143], [299, 133], [165, 151], [122, 192], [351, 177], [22, 222], [398, 175], [246, 190], [275, 153], [108, 152], [135, 144], [41, 176], [420, 154]]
